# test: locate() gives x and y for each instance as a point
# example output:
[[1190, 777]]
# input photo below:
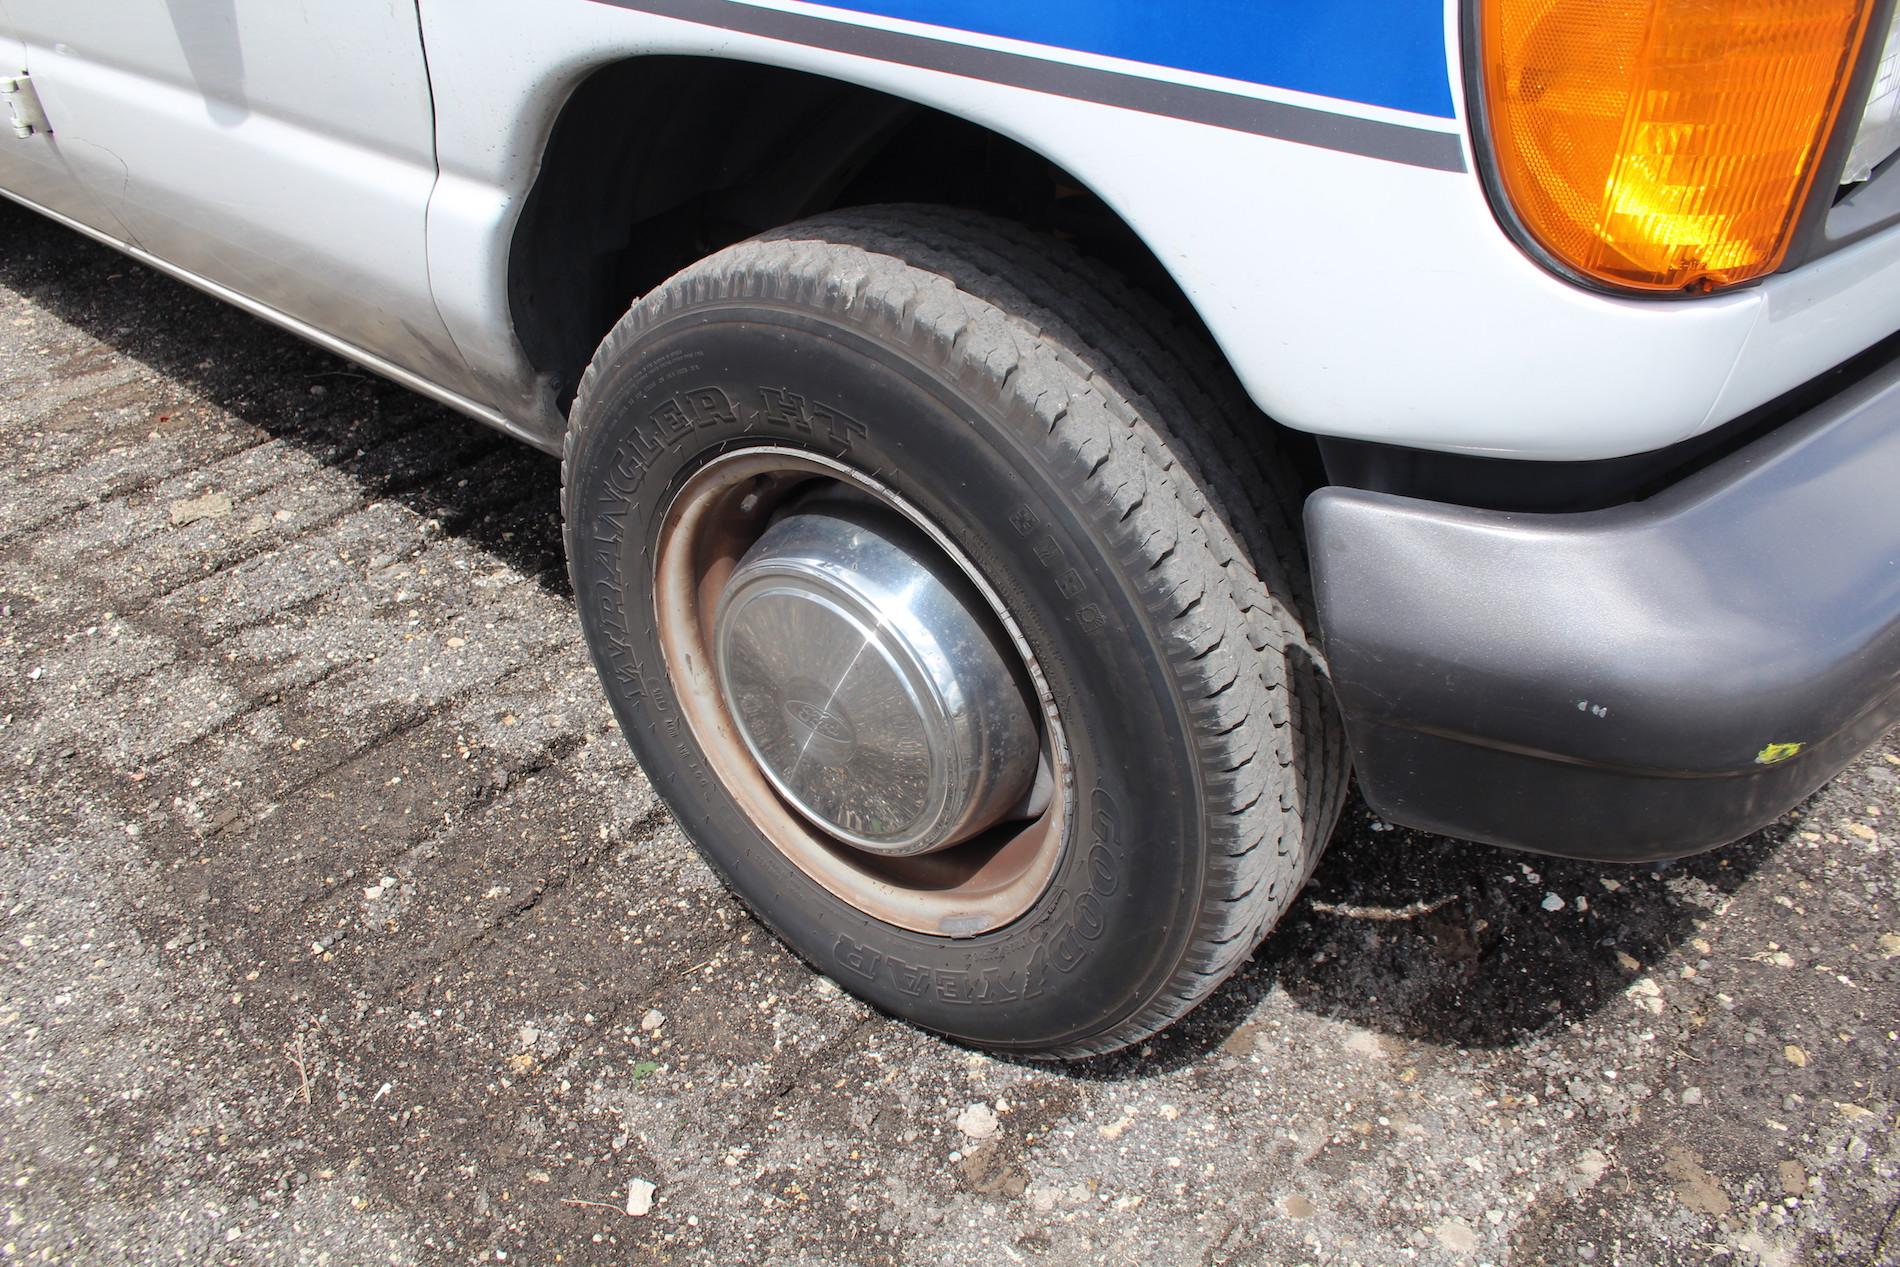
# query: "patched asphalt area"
[[338, 926]]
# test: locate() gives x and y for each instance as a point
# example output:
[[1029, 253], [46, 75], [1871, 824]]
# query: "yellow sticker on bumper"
[[1776, 752]]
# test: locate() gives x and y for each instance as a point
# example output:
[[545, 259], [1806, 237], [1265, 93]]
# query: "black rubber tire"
[[1086, 454]]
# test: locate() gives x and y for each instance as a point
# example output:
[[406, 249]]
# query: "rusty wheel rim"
[[963, 890]]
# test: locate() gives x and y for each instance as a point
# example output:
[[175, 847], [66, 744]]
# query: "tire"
[[1083, 459]]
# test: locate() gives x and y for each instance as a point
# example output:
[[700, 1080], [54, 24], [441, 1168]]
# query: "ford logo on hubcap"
[[823, 735]]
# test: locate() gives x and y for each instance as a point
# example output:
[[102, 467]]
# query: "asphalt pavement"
[[337, 925]]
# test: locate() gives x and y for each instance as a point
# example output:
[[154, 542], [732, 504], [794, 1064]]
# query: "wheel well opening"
[[656, 162]]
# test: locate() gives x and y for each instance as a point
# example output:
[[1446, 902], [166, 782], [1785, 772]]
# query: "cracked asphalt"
[[338, 926]]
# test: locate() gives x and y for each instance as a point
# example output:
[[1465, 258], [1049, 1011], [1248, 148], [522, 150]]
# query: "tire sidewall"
[[704, 379]]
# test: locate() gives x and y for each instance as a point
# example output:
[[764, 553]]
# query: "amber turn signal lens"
[[1664, 144]]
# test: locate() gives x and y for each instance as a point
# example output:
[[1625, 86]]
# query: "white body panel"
[[289, 158], [322, 338], [1355, 297], [36, 168], [282, 149]]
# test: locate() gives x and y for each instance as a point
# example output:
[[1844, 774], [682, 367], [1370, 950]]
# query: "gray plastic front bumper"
[[1631, 683]]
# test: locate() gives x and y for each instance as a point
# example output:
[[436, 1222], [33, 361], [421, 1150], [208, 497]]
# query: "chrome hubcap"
[[867, 683], [860, 691]]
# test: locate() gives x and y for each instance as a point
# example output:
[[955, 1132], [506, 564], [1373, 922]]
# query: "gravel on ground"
[[338, 926]]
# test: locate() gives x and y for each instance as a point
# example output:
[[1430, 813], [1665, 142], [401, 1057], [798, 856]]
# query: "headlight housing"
[[1663, 145], [1879, 136]]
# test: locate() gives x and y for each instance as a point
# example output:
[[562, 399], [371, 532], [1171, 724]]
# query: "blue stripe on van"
[[1396, 142], [1379, 52]]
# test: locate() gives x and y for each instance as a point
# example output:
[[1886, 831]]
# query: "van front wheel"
[[891, 550]]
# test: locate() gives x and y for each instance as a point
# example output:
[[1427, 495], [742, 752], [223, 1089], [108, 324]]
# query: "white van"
[[1020, 457]]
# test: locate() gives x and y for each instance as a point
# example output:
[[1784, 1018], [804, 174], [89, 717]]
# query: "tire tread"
[[1183, 472]]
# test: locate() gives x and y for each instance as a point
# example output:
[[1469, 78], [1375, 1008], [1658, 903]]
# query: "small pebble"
[[978, 1121]]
